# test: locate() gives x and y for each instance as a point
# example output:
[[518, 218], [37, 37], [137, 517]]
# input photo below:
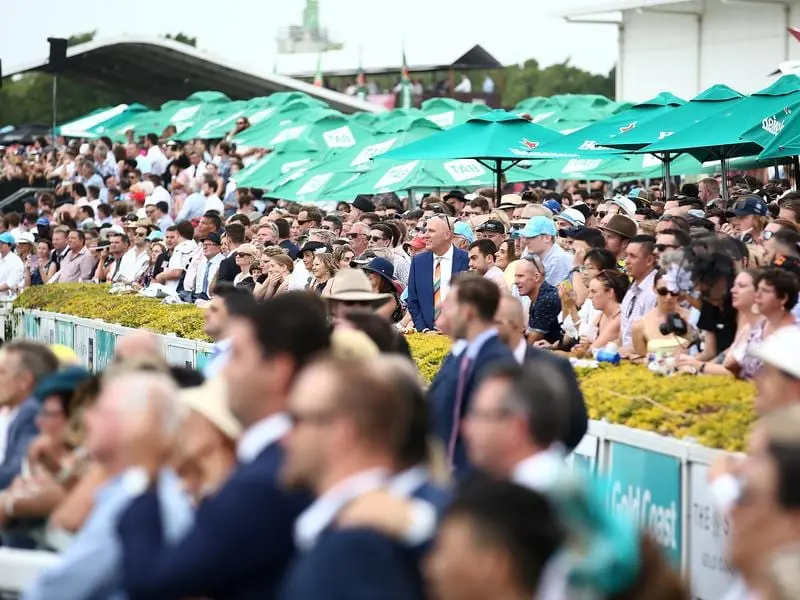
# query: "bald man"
[[511, 321], [431, 272]]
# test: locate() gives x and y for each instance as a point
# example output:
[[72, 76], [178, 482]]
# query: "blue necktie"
[[205, 278]]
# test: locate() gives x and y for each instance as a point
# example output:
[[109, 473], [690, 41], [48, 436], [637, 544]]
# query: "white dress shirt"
[[12, 273], [322, 512], [212, 266], [214, 203], [158, 162], [540, 471], [496, 275], [132, 264], [181, 256], [446, 262], [262, 434]]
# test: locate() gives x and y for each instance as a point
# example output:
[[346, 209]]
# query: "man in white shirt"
[[159, 193], [12, 271], [208, 267], [194, 204], [481, 260], [464, 86], [135, 260], [178, 239], [212, 200], [156, 158]]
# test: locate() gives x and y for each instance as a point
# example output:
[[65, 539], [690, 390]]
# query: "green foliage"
[[183, 39], [81, 38], [528, 80]]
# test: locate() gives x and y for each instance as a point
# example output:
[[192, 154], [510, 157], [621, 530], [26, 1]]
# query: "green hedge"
[[715, 411]]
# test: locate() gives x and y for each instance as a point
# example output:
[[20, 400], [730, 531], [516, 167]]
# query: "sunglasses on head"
[[663, 292]]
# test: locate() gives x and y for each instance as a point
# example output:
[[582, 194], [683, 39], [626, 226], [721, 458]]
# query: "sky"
[[244, 31]]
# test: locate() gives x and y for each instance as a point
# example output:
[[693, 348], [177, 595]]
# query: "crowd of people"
[[307, 460]]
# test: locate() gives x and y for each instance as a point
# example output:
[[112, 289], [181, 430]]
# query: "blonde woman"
[[278, 269], [343, 255], [322, 269]]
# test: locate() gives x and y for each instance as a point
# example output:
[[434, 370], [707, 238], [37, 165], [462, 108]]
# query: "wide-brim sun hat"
[[352, 285]]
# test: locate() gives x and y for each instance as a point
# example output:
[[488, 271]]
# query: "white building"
[[685, 46]]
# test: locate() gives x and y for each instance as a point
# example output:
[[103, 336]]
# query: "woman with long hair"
[[279, 270], [606, 291], [322, 269]]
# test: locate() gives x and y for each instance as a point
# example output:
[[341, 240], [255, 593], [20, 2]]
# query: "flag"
[[405, 85], [361, 81], [795, 33], [318, 76]]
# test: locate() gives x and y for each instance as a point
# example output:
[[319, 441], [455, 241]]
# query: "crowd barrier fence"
[[660, 482]]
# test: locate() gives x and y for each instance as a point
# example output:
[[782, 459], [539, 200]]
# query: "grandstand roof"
[[386, 58], [154, 70]]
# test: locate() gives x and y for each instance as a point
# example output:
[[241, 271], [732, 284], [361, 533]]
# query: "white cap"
[[26, 237], [571, 216], [84, 149], [780, 350], [628, 207]]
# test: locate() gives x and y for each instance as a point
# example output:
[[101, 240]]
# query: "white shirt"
[[7, 416], [158, 162], [212, 266], [488, 85], [520, 350], [132, 264], [540, 471], [160, 194], [180, 258], [262, 434], [214, 203], [12, 273], [322, 512], [299, 277], [496, 275], [465, 87], [446, 262]]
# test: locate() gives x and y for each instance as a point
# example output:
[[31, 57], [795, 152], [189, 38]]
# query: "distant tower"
[[311, 18]]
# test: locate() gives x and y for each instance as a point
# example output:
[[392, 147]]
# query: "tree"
[[528, 80], [81, 38], [183, 39]]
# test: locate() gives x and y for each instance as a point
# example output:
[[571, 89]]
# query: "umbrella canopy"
[[498, 138], [584, 142], [312, 185], [289, 156], [719, 135], [705, 104], [23, 134], [83, 127], [290, 124], [778, 134], [447, 112], [209, 118]]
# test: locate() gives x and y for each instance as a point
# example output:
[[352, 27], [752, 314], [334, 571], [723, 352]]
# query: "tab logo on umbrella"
[[664, 134], [575, 165], [772, 125], [627, 127], [588, 145], [396, 174], [339, 138], [464, 169]]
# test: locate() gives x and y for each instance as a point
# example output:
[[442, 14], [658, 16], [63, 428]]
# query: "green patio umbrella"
[[719, 136], [447, 112], [705, 104], [97, 122], [308, 186], [778, 134], [393, 176], [208, 119], [287, 157], [285, 125], [584, 143], [498, 140]]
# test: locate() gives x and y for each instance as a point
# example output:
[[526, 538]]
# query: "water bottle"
[[609, 354]]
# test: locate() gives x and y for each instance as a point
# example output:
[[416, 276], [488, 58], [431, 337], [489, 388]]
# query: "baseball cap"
[[7, 238], [464, 230], [553, 205], [639, 194], [154, 236], [628, 206], [748, 205], [537, 226], [42, 221], [780, 350], [572, 216], [26, 237], [492, 226]]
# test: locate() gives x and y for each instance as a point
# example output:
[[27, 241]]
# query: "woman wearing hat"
[[381, 276]]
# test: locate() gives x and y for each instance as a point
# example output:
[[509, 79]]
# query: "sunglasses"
[[663, 292], [665, 247], [376, 238]]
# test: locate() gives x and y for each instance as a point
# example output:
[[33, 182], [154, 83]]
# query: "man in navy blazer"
[[421, 300], [468, 315], [242, 540], [22, 366], [348, 419]]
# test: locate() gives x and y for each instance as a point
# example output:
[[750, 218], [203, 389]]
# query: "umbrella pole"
[[499, 187], [723, 163], [667, 177]]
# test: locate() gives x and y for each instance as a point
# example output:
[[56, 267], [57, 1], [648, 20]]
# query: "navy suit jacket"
[[239, 548], [443, 388], [578, 419], [21, 432], [420, 286], [353, 564]]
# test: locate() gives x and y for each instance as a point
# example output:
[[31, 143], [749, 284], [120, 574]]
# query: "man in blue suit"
[[469, 316], [432, 271], [348, 420], [242, 540]]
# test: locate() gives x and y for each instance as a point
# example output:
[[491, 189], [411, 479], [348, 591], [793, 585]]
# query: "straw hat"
[[211, 401], [352, 285]]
